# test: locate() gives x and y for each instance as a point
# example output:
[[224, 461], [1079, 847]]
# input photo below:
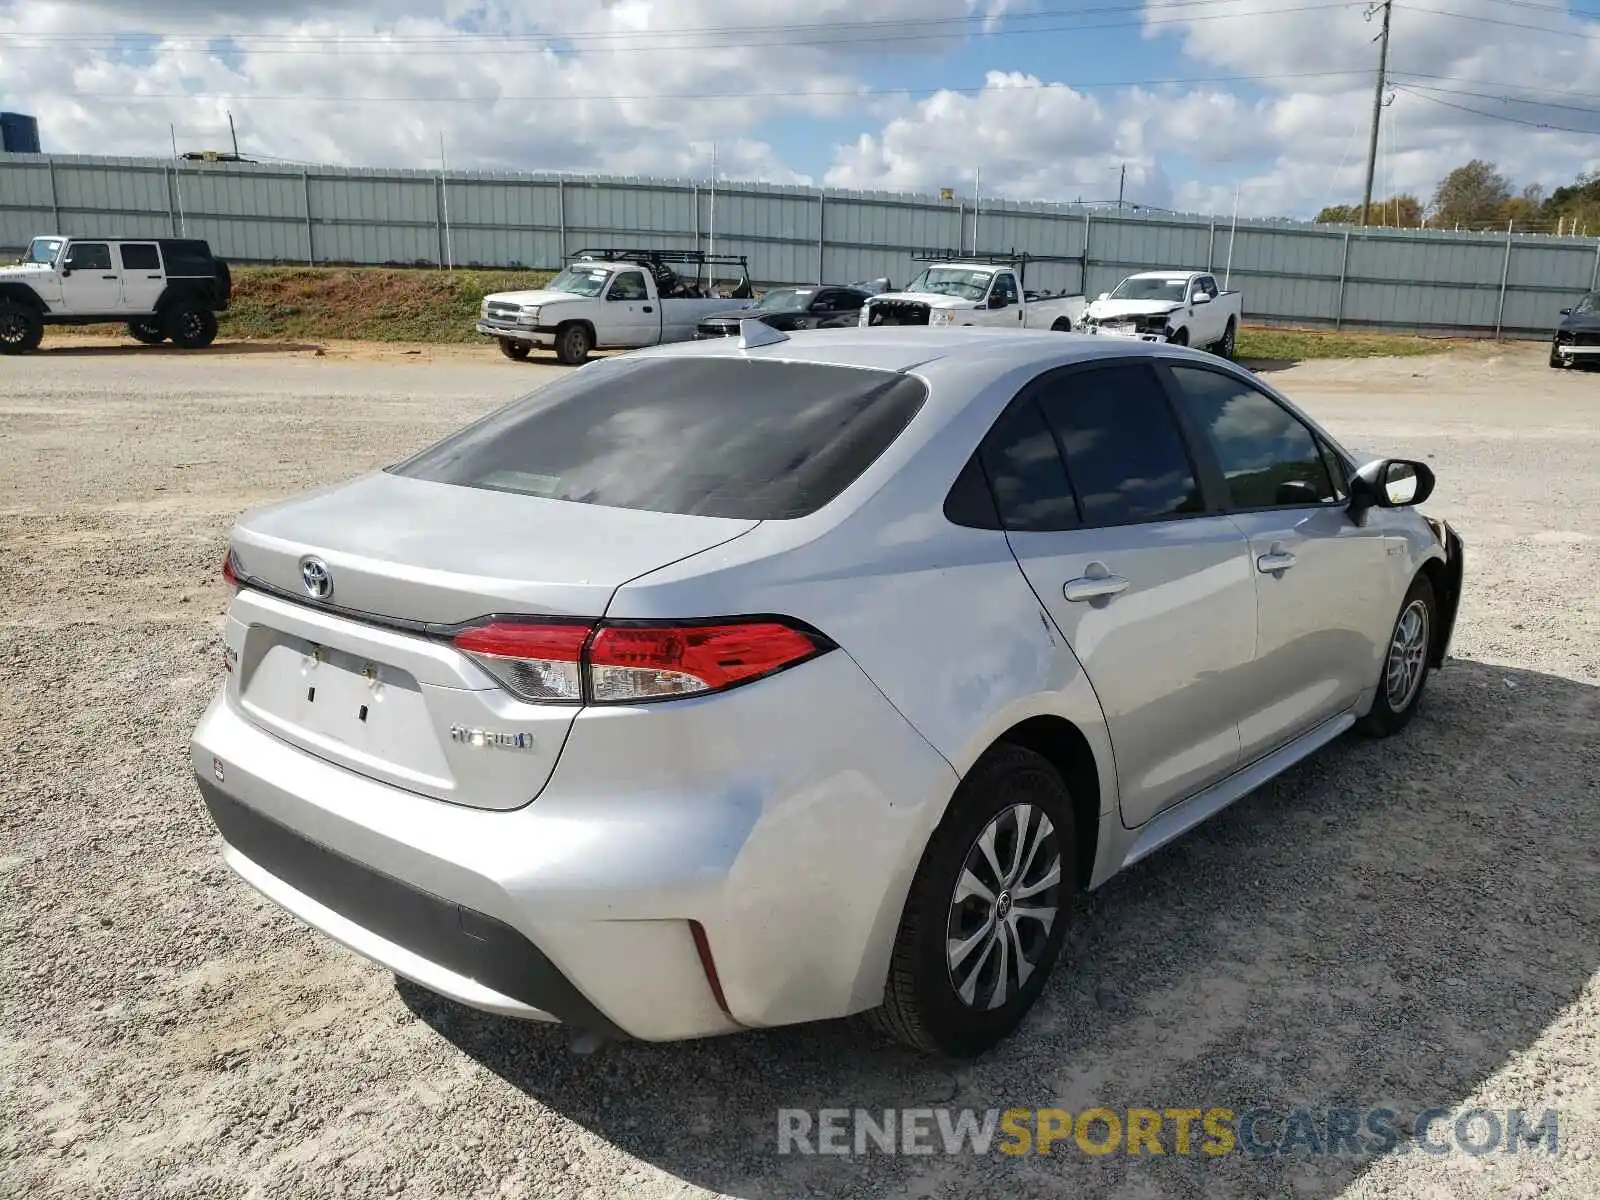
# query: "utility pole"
[[233, 134], [1122, 186], [1377, 103]]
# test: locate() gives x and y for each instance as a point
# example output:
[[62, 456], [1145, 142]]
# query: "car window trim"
[[1214, 464], [1209, 493]]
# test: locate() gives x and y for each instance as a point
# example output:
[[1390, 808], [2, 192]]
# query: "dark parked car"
[[790, 308], [1577, 338]]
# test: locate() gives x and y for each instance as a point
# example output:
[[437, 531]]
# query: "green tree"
[[1577, 205], [1473, 195], [1401, 210]]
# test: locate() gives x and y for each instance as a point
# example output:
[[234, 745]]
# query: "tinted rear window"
[[714, 437]]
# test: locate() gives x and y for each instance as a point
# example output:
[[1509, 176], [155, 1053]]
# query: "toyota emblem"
[[315, 578]]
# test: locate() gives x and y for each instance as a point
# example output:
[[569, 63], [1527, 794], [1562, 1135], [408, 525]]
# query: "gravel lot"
[[1409, 924]]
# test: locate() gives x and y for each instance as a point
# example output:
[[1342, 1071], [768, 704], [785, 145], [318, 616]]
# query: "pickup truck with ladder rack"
[[614, 298]]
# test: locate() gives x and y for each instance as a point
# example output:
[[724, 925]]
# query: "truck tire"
[[148, 332], [515, 349], [190, 326], [573, 343], [1557, 361], [1229, 344], [1180, 338], [21, 328], [1062, 325]]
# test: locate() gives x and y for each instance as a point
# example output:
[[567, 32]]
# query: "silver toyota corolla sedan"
[[776, 678]]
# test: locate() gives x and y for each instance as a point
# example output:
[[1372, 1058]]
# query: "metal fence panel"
[[1424, 280]]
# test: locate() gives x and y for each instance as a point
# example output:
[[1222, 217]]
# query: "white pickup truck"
[[613, 299], [1185, 308], [984, 290]]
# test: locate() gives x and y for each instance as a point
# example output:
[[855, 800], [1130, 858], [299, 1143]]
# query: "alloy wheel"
[[1408, 652], [1006, 898]]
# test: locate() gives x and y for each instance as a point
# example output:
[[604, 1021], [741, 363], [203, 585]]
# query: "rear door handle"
[[1096, 583], [1275, 559], [647, 308]]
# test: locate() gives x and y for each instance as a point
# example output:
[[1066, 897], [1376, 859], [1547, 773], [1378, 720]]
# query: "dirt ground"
[[1412, 924]]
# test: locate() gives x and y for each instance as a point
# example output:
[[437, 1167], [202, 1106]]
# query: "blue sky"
[[1275, 106]]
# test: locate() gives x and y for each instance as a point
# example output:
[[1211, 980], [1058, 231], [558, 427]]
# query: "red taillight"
[[230, 574], [636, 662], [652, 662]]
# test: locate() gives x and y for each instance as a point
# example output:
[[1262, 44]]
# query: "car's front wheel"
[[573, 344], [515, 349], [1406, 662], [21, 328], [988, 909], [1557, 361]]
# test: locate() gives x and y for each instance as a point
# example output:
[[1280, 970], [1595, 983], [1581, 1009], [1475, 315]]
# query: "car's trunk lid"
[[365, 676]]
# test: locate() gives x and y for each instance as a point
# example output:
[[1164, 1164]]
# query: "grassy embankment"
[[321, 304]]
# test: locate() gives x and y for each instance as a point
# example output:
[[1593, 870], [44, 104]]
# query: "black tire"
[[148, 332], [1062, 325], [922, 1006], [21, 328], [1181, 338], [190, 326], [1392, 712], [1557, 361], [1229, 344], [573, 344], [515, 350]]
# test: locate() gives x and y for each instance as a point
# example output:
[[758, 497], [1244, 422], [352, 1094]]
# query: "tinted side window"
[[89, 256], [1208, 285], [716, 437], [1125, 456], [1268, 456], [1005, 286], [1025, 470], [137, 256]]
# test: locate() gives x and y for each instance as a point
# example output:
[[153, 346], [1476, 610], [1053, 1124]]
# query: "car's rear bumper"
[[665, 836]]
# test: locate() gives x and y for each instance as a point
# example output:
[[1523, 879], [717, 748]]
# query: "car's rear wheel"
[[573, 344], [1405, 663], [1229, 343], [148, 332], [1062, 325], [988, 909], [191, 327], [515, 349], [21, 328]]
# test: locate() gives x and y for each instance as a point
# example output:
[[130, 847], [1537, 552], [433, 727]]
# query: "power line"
[[1494, 116], [1461, 16], [863, 92], [1529, 100], [771, 36]]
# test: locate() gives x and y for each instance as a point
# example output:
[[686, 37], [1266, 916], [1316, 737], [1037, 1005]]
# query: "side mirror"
[[1390, 483], [998, 301], [66, 269], [1566, 312], [1200, 298]]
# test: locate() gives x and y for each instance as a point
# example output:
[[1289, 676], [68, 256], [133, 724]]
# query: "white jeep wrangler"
[[161, 287]]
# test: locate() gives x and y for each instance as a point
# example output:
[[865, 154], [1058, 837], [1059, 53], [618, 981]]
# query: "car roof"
[[902, 348], [1164, 274]]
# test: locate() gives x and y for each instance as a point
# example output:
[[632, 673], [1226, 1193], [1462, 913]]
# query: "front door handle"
[[108, 277], [1096, 583], [1275, 559]]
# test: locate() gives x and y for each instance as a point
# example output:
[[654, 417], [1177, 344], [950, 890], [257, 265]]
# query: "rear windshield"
[[716, 437]]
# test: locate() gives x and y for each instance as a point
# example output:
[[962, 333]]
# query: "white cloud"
[[641, 87]]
